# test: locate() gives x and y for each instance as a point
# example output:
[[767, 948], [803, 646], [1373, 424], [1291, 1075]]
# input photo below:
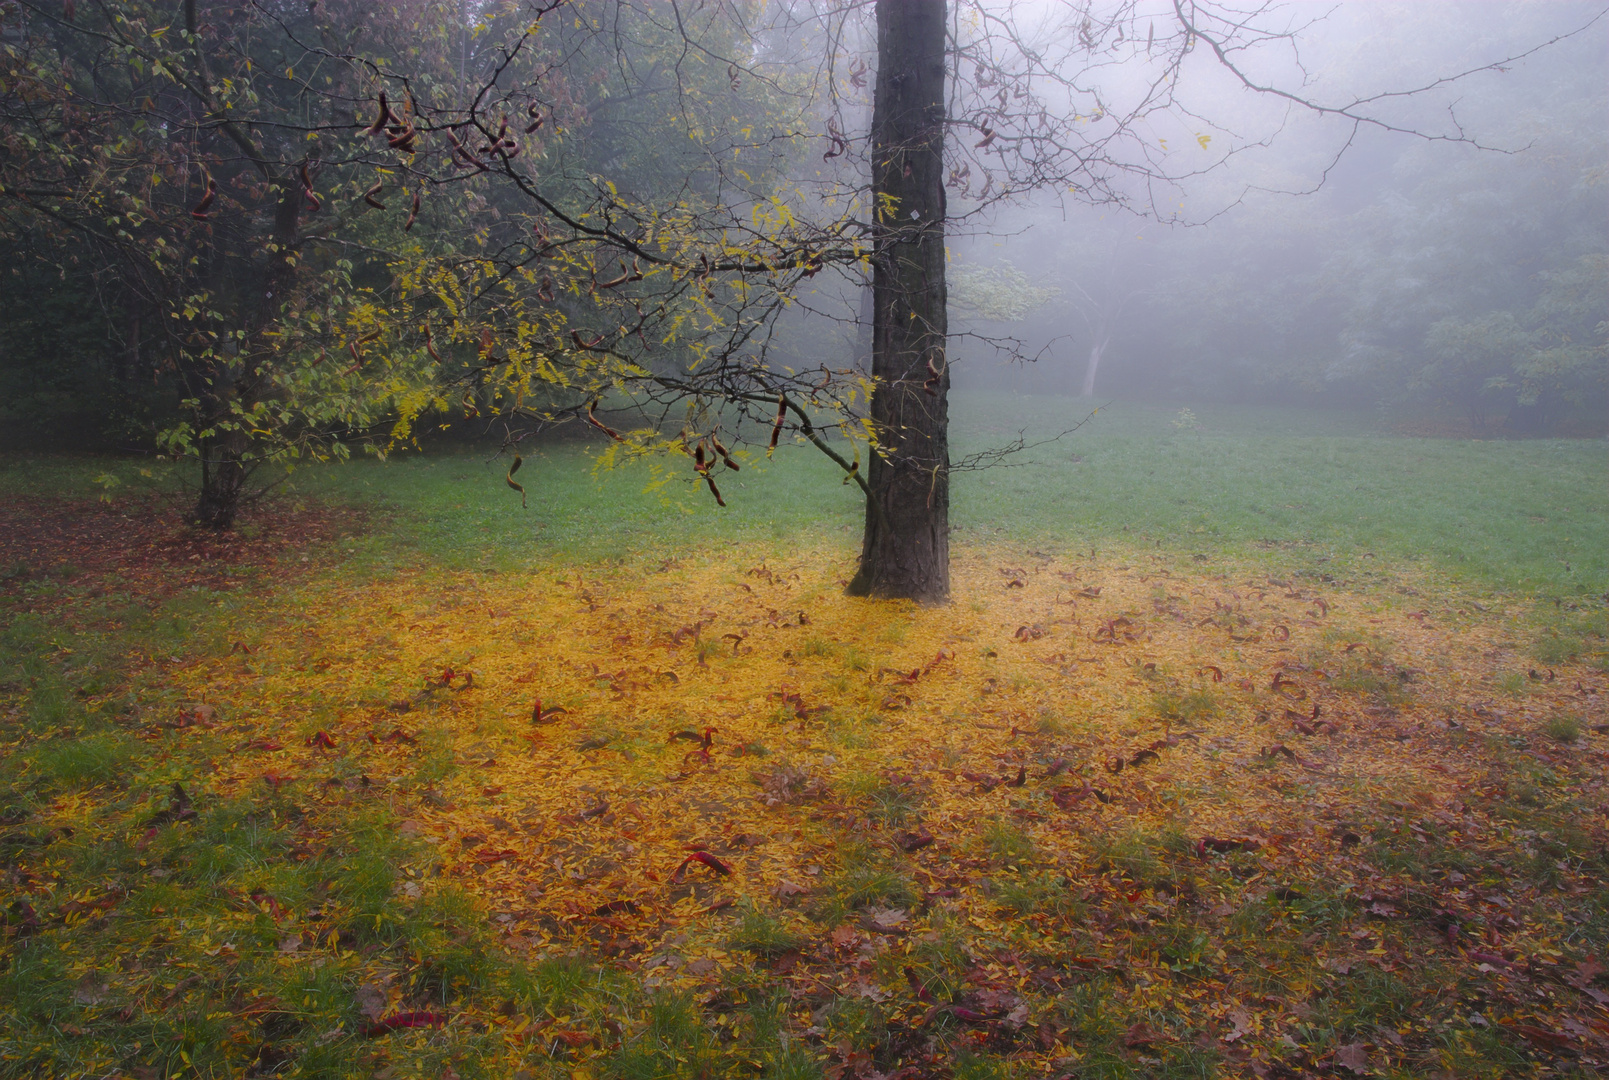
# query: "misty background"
[[1463, 289]]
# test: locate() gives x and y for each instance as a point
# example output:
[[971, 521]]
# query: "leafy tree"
[[199, 168]]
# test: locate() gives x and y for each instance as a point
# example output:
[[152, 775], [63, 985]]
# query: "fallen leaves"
[[1142, 785]]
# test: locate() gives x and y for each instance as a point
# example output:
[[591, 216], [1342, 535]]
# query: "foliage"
[[198, 171]]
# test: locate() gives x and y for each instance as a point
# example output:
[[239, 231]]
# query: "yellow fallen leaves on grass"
[[568, 738]]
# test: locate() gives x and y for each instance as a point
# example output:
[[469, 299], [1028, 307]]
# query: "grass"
[[247, 933], [1305, 491]]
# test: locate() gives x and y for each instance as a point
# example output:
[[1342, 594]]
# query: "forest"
[[804, 539]]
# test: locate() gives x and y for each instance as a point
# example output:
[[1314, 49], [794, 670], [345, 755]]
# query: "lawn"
[[1252, 744]]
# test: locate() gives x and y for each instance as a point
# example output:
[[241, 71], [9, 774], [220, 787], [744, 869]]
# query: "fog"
[[1453, 267]]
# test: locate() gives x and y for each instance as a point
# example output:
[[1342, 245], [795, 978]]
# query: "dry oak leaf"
[[1354, 1056]]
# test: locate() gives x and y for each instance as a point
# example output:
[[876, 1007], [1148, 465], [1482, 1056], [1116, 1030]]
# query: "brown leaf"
[[489, 855], [1353, 1056], [371, 1000], [1140, 1036], [412, 1019], [90, 989]]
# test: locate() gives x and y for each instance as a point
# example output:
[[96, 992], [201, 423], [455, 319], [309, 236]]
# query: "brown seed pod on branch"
[[599, 424], [201, 208]]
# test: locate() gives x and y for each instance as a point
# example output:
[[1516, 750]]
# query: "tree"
[[906, 546], [199, 168], [644, 203]]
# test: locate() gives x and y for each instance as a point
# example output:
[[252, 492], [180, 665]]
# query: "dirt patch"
[[150, 546]]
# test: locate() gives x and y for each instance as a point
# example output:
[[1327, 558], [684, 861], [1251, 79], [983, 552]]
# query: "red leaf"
[[540, 715], [1066, 798], [396, 1021], [707, 859], [264, 744], [916, 985], [1020, 779], [913, 841], [321, 738], [573, 1039], [495, 855]]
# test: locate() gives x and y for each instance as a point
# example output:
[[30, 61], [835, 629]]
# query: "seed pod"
[[519, 487], [382, 120], [776, 426], [201, 208]]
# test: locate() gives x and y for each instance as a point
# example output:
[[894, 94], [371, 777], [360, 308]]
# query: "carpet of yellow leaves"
[[565, 740]]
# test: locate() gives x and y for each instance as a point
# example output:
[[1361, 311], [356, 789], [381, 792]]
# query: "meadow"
[[1254, 742]]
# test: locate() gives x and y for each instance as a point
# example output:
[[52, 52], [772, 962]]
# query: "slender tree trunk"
[[226, 459], [906, 549], [1095, 352]]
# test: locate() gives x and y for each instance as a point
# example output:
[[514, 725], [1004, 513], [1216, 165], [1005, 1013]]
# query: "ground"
[[320, 803]]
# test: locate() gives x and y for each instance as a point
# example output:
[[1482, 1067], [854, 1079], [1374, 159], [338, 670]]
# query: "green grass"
[[1300, 489], [1320, 489]]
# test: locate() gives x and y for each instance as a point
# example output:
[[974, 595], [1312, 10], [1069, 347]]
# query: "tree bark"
[[226, 458], [905, 552]]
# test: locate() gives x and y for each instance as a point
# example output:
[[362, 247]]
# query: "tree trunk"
[[906, 549], [226, 459], [1095, 352], [223, 480]]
